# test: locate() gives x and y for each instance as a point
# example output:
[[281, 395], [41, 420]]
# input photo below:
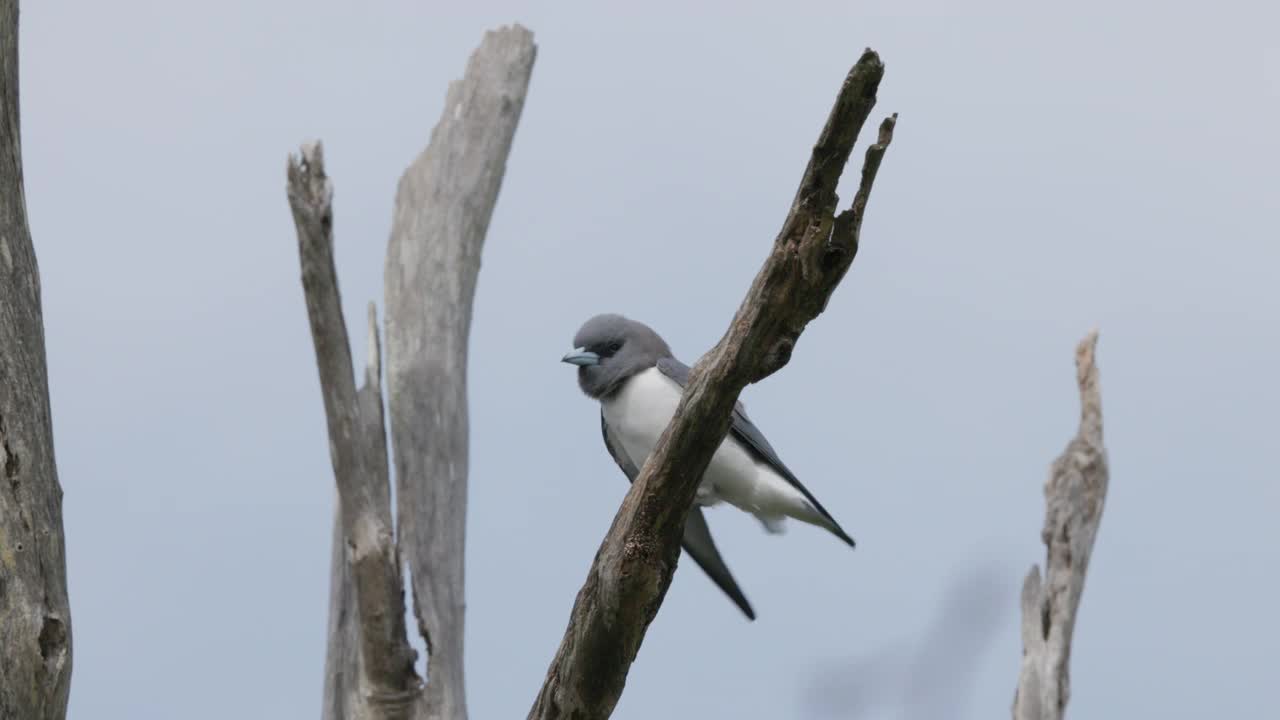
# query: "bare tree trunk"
[[633, 568], [443, 207], [35, 619], [1074, 497]]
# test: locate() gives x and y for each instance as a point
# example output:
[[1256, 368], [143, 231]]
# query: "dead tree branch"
[[357, 449], [35, 619], [633, 567], [342, 688], [1074, 497], [342, 674], [443, 205]]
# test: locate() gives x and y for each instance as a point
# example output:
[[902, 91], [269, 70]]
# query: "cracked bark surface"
[[35, 618]]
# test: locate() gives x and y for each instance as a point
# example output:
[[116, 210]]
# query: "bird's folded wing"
[[746, 432], [697, 539]]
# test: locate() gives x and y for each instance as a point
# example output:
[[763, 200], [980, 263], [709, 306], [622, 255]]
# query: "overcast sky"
[[1055, 169]]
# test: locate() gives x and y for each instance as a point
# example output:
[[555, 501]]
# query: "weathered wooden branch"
[[1074, 497], [633, 567], [342, 674], [35, 619], [357, 448], [443, 205]]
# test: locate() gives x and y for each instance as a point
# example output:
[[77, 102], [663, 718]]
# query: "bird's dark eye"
[[613, 347]]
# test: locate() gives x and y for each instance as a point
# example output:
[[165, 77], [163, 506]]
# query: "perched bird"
[[629, 368]]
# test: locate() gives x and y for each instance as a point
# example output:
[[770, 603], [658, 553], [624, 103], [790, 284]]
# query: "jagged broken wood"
[[633, 567], [35, 617], [1074, 497], [443, 207]]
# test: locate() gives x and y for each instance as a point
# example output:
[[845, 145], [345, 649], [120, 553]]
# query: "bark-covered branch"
[[633, 568], [443, 205], [357, 448], [1074, 497], [35, 619]]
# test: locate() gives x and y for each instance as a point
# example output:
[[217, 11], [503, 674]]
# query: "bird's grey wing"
[[746, 432], [697, 539], [619, 454]]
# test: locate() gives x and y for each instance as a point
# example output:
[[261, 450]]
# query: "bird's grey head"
[[611, 348]]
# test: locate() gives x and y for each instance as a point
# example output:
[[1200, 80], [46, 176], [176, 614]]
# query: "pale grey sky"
[[1096, 163]]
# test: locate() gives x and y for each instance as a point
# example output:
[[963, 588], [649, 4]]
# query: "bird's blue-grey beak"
[[581, 356]]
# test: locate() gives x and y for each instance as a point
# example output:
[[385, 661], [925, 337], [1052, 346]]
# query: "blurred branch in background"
[[934, 679], [928, 678]]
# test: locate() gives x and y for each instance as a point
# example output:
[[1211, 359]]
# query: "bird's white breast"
[[640, 411]]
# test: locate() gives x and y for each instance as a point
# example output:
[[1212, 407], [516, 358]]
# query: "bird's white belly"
[[639, 413]]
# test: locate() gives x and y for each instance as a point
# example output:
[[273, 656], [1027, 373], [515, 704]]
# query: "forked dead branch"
[[633, 567], [445, 200]]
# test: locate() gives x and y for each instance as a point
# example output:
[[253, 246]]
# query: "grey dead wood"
[[443, 206], [35, 619], [1074, 497], [357, 450], [343, 689], [633, 567], [444, 202]]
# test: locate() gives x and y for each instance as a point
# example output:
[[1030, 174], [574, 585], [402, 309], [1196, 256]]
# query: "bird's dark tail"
[[700, 546], [839, 532], [823, 519]]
